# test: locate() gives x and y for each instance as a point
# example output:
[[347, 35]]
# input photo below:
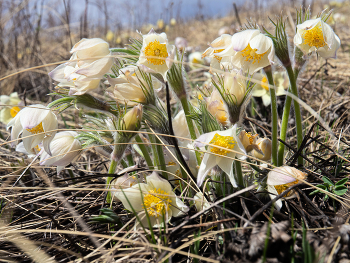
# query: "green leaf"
[[327, 180], [342, 181], [325, 197], [314, 192], [322, 186], [340, 190]]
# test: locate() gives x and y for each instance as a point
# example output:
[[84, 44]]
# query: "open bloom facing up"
[[217, 46], [316, 35], [130, 87], [250, 50], [280, 179], [156, 197], [261, 88], [91, 59], [156, 53], [9, 107], [33, 120], [231, 147], [64, 148]]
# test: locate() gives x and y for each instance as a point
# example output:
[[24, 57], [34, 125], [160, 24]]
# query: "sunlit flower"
[[316, 35], [109, 35], [9, 107], [160, 23], [248, 140], [130, 87], [132, 119], [173, 22], [217, 108], [216, 47], [180, 126], [264, 149], [65, 149], [90, 61], [195, 58], [32, 120], [236, 86], [125, 181], [250, 50], [156, 197], [156, 53], [261, 88], [232, 147], [280, 179]]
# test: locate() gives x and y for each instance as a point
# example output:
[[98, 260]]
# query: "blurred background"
[[35, 33]]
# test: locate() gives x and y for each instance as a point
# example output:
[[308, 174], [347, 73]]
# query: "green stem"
[[154, 149], [158, 154], [239, 174], [190, 125], [162, 165], [274, 112], [293, 88], [145, 152], [112, 168]]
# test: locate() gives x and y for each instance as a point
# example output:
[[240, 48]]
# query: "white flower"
[[250, 50], [280, 179], [9, 107], [261, 88], [217, 156], [181, 127], [217, 107], [200, 202], [216, 47], [181, 43], [90, 61], [194, 59], [249, 141], [236, 86], [132, 119], [316, 35], [156, 54], [156, 197], [33, 120], [65, 149], [130, 86], [123, 182]]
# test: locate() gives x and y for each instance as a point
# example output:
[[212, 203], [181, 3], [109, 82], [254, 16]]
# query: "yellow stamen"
[[217, 57], [155, 49], [223, 141], [14, 111], [37, 129], [265, 84], [314, 37], [200, 97], [156, 202], [171, 163], [37, 148], [283, 187], [250, 54], [251, 137]]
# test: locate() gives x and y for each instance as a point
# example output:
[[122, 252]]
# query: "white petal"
[[261, 42], [279, 176], [134, 196], [241, 40], [208, 162], [309, 24], [266, 99], [273, 193]]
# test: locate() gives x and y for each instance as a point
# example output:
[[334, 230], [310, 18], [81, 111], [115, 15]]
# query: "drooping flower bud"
[[265, 147], [132, 119]]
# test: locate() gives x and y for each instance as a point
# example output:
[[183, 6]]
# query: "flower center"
[[156, 202], [14, 111], [217, 57], [37, 129], [223, 141], [251, 137], [37, 148], [283, 187], [314, 37], [155, 49], [265, 84], [250, 54]]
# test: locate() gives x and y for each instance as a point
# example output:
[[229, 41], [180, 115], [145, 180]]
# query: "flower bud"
[[248, 140], [265, 146], [132, 118], [236, 87]]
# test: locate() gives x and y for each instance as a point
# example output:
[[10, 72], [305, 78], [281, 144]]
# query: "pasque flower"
[[264, 149], [231, 147], [65, 149], [156, 196], [9, 107], [33, 120], [261, 88], [316, 35], [217, 108], [280, 179], [156, 54], [130, 87], [216, 47], [250, 50], [90, 61]]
